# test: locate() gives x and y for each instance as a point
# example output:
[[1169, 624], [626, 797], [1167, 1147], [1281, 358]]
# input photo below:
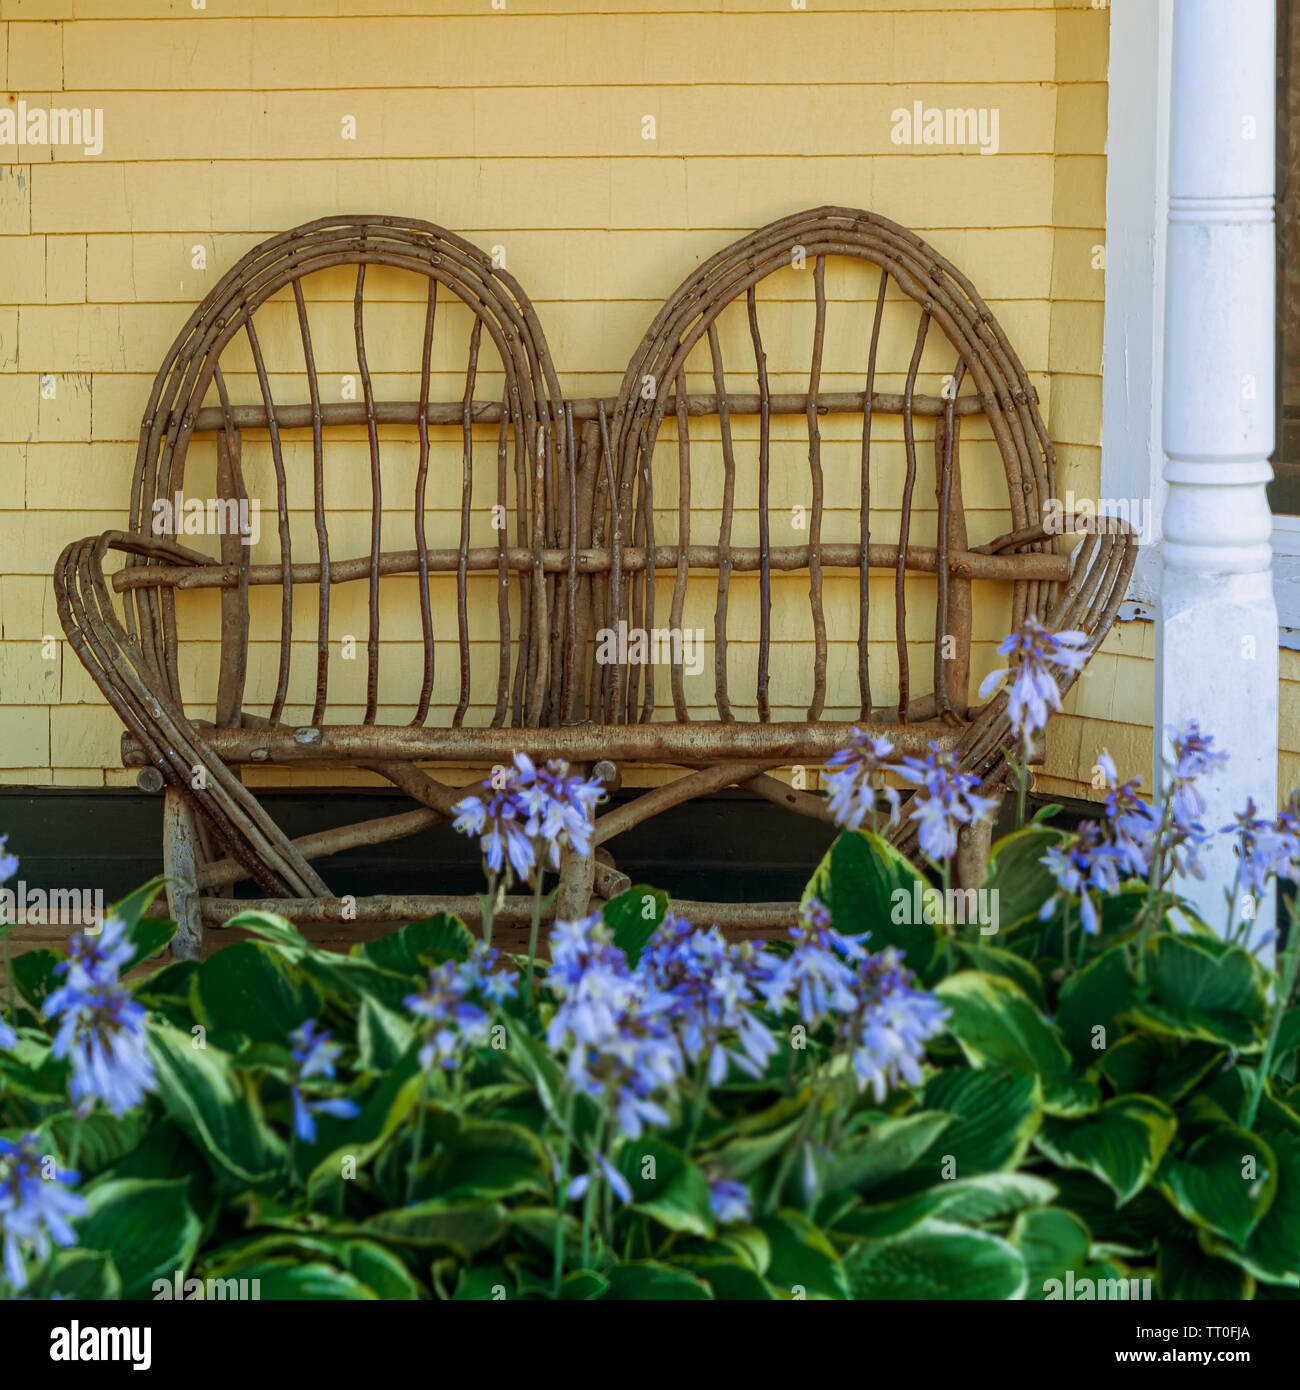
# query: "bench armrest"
[[128, 666]]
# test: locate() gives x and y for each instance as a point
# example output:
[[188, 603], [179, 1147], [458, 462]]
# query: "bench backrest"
[[387, 391], [844, 465], [451, 487]]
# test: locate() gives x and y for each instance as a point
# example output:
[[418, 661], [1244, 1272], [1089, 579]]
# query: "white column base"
[[1217, 663]]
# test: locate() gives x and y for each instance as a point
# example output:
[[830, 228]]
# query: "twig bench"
[[580, 553]]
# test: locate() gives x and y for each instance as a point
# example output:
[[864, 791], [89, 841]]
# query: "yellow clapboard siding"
[[523, 130]]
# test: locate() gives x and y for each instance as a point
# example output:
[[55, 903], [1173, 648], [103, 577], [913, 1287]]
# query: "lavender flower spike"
[[1035, 694], [34, 1208], [850, 777]]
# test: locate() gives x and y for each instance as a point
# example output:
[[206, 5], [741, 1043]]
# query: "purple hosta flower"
[[528, 820], [1081, 867], [713, 991], [1266, 848], [560, 807], [315, 1056], [730, 1201], [98, 958], [614, 1024], [496, 986], [102, 1028], [498, 821], [1194, 757], [850, 777], [816, 971], [887, 1029], [8, 1038], [454, 1022], [946, 799], [1131, 826], [814, 924], [1035, 693], [34, 1208], [604, 1168], [8, 862]]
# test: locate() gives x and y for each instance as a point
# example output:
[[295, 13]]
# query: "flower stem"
[[489, 908], [1065, 932], [1286, 986], [945, 870], [699, 1098], [566, 1142], [532, 934], [593, 1176], [792, 1153], [1154, 883], [9, 982], [413, 1171]]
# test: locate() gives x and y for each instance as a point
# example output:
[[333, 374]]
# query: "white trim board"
[[1137, 182]]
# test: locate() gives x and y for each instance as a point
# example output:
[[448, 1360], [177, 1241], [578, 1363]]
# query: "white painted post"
[[1217, 627]]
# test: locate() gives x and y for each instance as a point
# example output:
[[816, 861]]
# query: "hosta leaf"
[[648, 1279], [491, 1159], [675, 1192], [994, 1116], [215, 1105], [463, 1227], [249, 989], [1272, 1253], [383, 1036], [888, 1148], [803, 1262], [858, 879], [995, 1022], [729, 1279], [1185, 1271], [100, 1138], [315, 1281], [1202, 989], [82, 1274], [1224, 1183], [1122, 1142], [1051, 1241], [413, 949], [1160, 1068], [1017, 874], [633, 917], [987, 1197], [1090, 1005], [937, 1260], [146, 1226]]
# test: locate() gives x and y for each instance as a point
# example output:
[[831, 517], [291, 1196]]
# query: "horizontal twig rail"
[[924, 559], [298, 417], [406, 907], [680, 744]]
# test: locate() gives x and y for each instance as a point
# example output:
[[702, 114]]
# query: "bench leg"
[[577, 881], [973, 845], [180, 864]]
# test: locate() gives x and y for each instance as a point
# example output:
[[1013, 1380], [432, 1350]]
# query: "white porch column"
[[1217, 635]]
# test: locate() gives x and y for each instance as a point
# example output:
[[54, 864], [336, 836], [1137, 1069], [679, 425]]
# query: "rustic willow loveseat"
[[773, 486]]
